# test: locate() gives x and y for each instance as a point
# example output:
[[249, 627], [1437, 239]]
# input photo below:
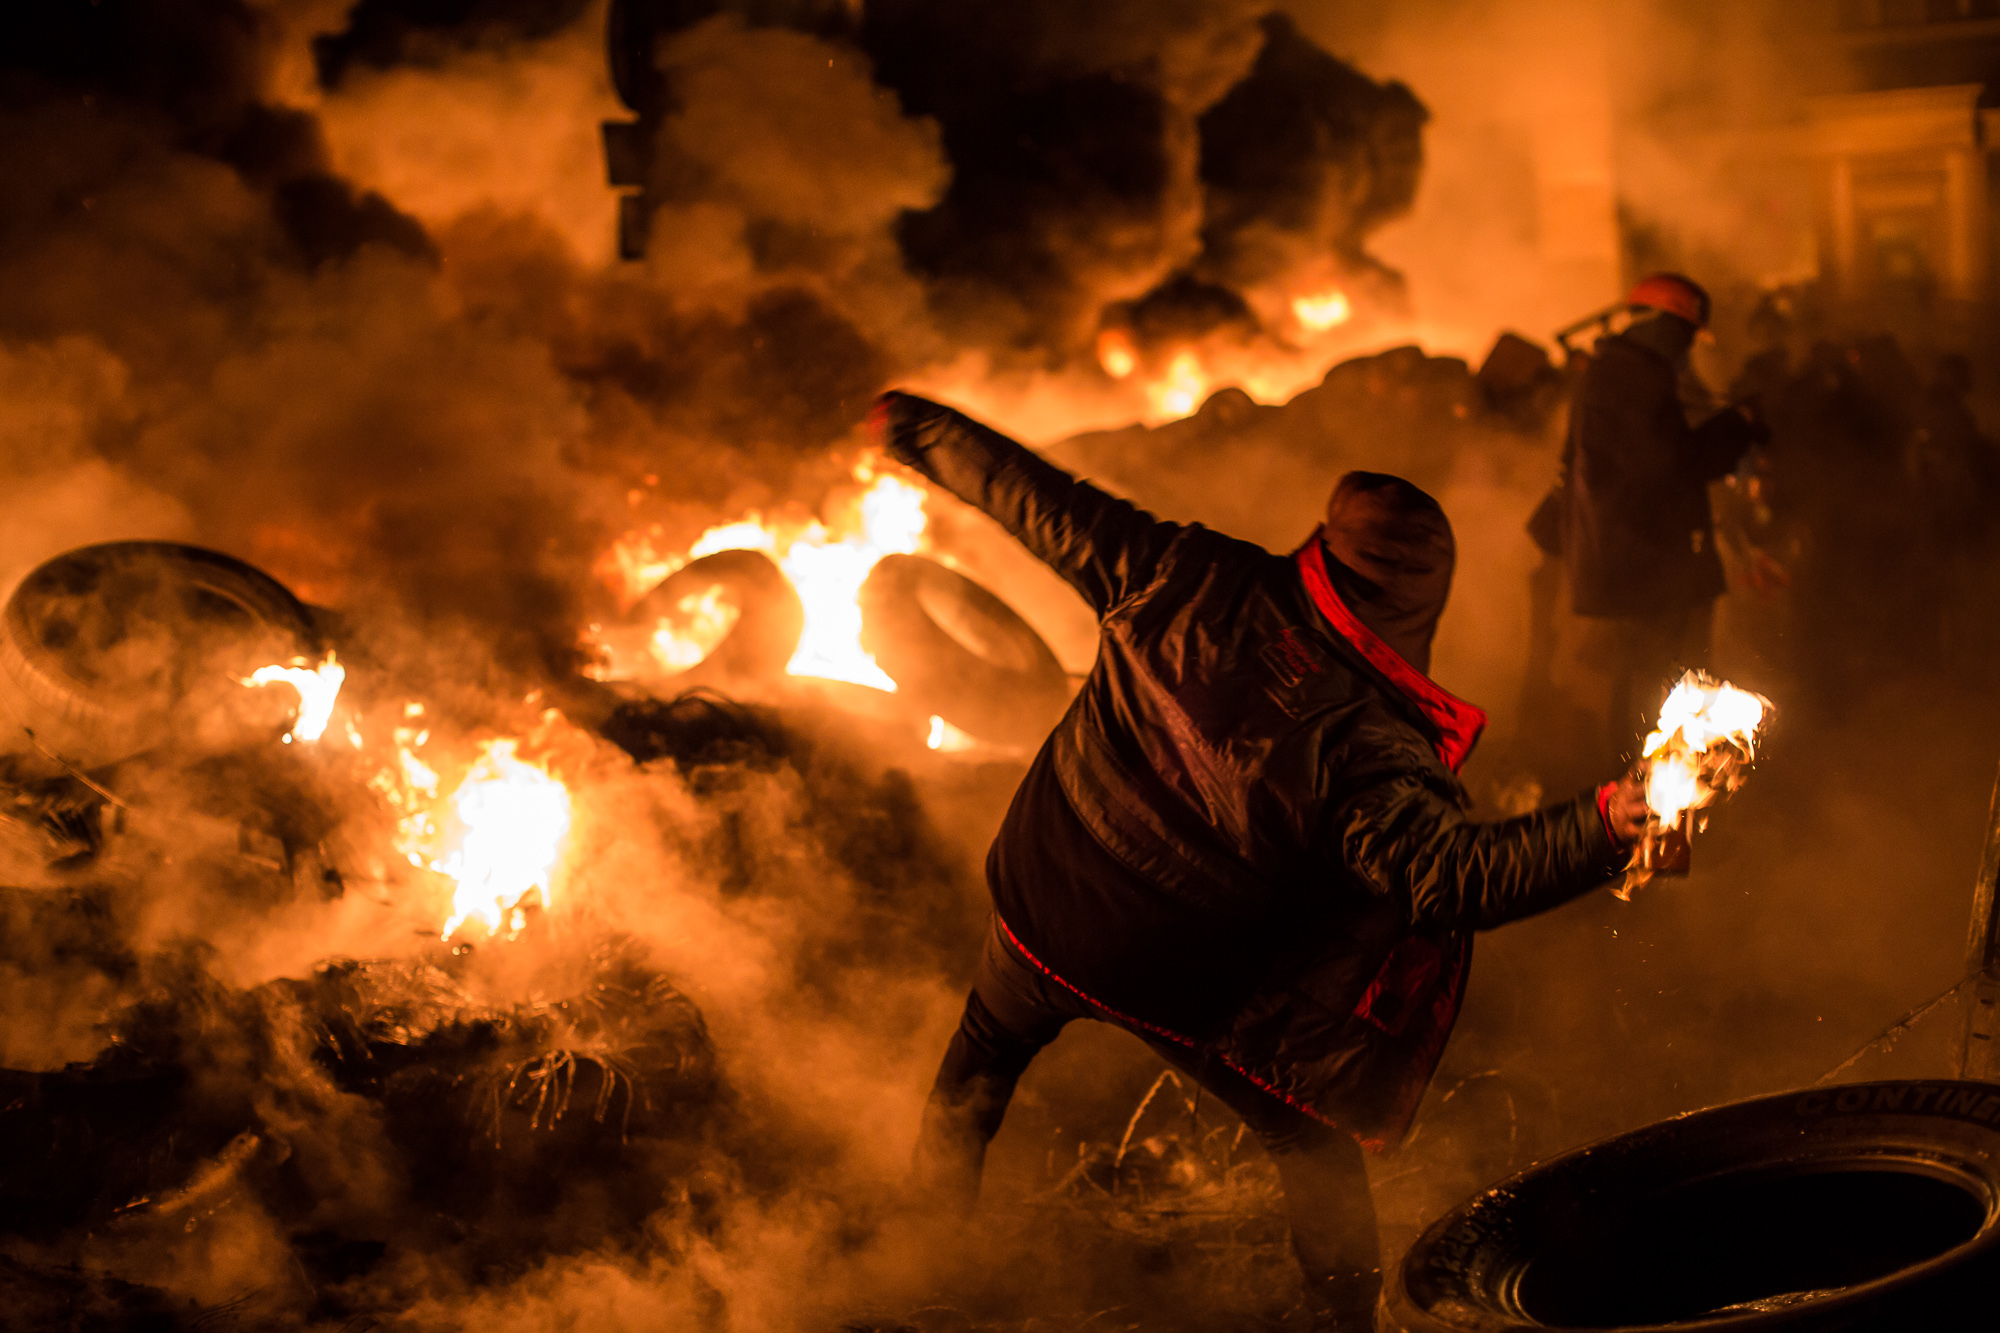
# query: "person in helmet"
[[1638, 539], [1245, 842]]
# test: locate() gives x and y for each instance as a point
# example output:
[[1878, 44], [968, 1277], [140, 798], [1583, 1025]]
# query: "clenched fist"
[[1624, 806]]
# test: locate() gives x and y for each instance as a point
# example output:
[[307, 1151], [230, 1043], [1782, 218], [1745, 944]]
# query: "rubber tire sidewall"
[[1444, 1282], [770, 618], [88, 727], [938, 674]]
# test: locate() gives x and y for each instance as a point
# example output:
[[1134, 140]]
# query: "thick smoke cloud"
[[331, 286]]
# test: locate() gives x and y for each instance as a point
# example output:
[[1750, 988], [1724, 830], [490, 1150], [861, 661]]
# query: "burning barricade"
[[856, 601], [519, 1071]]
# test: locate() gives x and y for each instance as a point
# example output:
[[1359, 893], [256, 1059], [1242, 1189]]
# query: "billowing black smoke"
[[1095, 177]]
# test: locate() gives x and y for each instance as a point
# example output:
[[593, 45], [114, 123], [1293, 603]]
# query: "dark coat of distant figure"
[[1638, 537]]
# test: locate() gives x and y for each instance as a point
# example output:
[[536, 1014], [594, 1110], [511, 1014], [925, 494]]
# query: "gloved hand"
[[889, 423], [1622, 804]]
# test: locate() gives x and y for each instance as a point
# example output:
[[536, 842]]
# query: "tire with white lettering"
[[957, 651], [110, 650], [1868, 1208]]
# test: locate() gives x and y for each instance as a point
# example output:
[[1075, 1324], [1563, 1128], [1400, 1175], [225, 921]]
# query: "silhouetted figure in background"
[[1840, 487], [1955, 483], [1638, 539]]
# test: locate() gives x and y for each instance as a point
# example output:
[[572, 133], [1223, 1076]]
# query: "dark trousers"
[[1014, 1010]]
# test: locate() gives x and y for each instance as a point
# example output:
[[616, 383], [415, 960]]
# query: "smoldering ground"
[[330, 287]]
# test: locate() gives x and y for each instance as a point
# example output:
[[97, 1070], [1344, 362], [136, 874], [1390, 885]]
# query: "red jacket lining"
[[1458, 722]]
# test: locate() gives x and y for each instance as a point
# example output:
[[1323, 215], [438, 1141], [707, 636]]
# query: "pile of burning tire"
[[954, 649], [496, 1117]]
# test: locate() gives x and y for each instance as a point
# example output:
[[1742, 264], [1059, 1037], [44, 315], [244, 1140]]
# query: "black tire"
[[769, 620], [102, 647], [1868, 1208], [957, 651]]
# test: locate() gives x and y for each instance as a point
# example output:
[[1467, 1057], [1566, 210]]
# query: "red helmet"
[[1674, 294]]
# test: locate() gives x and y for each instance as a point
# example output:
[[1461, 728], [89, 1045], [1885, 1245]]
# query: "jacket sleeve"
[[1105, 547], [1405, 835], [1716, 446]]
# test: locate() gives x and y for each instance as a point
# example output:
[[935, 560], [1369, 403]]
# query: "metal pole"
[[1979, 1056]]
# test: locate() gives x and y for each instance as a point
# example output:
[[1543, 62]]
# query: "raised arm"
[[1406, 836], [1104, 546]]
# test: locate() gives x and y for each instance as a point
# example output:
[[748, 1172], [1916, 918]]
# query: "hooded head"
[[1391, 554]]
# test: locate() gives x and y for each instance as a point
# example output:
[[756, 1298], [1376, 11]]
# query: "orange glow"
[[700, 622], [1182, 389], [947, 739], [1116, 354], [318, 687], [513, 819], [1320, 311], [826, 562], [635, 565], [499, 836]]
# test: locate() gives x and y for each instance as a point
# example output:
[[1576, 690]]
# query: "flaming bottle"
[[1700, 752]]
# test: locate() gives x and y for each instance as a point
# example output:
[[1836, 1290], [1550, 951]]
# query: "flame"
[[1319, 311], [409, 787], [1707, 733], [1182, 388], [701, 621], [1116, 354], [318, 687], [947, 739], [509, 819], [513, 820], [634, 566], [827, 571], [747, 534]]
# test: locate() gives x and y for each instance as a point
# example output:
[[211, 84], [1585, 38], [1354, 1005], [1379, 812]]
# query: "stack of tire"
[[954, 649]]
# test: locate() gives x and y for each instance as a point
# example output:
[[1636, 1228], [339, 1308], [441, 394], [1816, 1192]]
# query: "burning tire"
[[1874, 1206], [100, 648], [731, 614], [956, 650]]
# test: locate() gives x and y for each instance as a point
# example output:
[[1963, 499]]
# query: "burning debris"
[[318, 689], [846, 599], [824, 565], [531, 1055]]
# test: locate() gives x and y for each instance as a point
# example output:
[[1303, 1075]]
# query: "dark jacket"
[[1638, 538], [1245, 835]]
